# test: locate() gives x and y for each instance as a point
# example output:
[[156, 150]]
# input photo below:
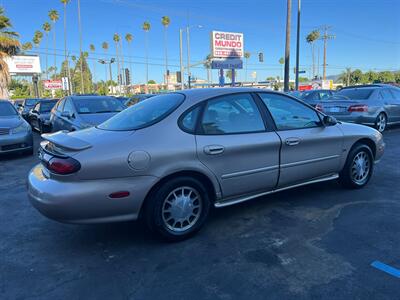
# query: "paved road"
[[315, 242]]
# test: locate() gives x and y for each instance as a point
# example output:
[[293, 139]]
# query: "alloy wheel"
[[181, 209], [360, 167], [381, 123]]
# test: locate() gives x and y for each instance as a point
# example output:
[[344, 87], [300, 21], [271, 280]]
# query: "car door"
[[235, 144], [67, 123], [390, 105], [396, 104], [34, 115], [55, 116], [309, 150]]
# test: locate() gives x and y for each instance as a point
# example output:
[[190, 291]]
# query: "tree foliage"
[[87, 75]]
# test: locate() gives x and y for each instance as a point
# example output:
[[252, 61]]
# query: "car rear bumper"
[[16, 142], [87, 201]]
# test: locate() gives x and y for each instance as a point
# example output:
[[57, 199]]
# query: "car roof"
[[375, 85], [195, 95], [90, 97]]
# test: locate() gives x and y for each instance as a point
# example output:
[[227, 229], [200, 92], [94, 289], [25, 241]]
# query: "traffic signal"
[[127, 77], [261, 57], [178, 76]]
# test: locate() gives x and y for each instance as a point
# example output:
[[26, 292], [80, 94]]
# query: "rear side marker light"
[[121, 194], [358, 108]]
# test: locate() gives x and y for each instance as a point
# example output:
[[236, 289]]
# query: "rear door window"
[[230, 114]]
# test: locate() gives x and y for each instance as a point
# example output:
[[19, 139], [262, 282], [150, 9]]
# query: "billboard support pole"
[[233, 77], [35, 85]]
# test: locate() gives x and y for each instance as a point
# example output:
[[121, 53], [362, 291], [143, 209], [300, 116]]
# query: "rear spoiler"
[[64, 140]]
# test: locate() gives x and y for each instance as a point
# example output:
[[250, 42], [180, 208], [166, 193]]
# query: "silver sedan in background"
[[377, 105], [15, 132], [170, 158]]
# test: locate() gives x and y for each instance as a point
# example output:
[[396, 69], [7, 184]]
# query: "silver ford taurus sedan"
[[169, 159]]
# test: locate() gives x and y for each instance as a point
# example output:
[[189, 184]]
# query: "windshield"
[[144, 113], [362, 93], [31, 102], [7, 109], [97, 105], [47, 106]]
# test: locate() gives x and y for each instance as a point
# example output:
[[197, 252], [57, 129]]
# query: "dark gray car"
[[26, 106], [79, 112], [15, 132], [377, 105], [39, 116]]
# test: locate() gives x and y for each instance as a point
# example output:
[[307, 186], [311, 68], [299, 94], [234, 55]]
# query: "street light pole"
[[287, 47], [105, 62], [298, 44], [181, 58]]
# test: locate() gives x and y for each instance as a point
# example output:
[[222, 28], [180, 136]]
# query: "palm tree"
[[311, 38], [53, 15], [345, 77], [246, 56], [129, 39], [46, 28], [65, 2], [9, 45], [92, 49], [116, 39], [27, 46], [146, 27], [37, 38], [104, 45], [281, 62], [207, 65], [165, 21]]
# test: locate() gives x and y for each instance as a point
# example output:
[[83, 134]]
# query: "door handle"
[[292, 141], [214, 149]]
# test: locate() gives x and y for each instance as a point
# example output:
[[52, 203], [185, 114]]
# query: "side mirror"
[[66, 114], [329, 121]]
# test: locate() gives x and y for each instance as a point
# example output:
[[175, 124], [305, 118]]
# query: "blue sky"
[[367, 31]]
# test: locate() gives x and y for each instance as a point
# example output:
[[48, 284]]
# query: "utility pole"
[[325, 37], [80, 45], [298, 45], [188, 54], [181, 58], [287, 47]]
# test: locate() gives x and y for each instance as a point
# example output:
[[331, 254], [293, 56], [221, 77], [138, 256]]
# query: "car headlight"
[[24, 127]]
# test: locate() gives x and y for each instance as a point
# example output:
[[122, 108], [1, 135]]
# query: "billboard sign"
[[227, 44], [56, 84], [23, 64], [227, 64]]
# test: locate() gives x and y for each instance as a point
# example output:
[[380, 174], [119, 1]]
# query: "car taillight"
[[319, 107], [63, 166], [358, 108]]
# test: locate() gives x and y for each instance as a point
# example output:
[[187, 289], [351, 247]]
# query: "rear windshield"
[[362, 93], [144, 113], [7, 109], [31, 102], [47, 106], [97, 105]]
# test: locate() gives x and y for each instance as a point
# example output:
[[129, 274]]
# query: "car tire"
[[358, 168], [177, 209], [381, 122]]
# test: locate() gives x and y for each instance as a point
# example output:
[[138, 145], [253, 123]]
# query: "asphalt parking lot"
[[315, 242]]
